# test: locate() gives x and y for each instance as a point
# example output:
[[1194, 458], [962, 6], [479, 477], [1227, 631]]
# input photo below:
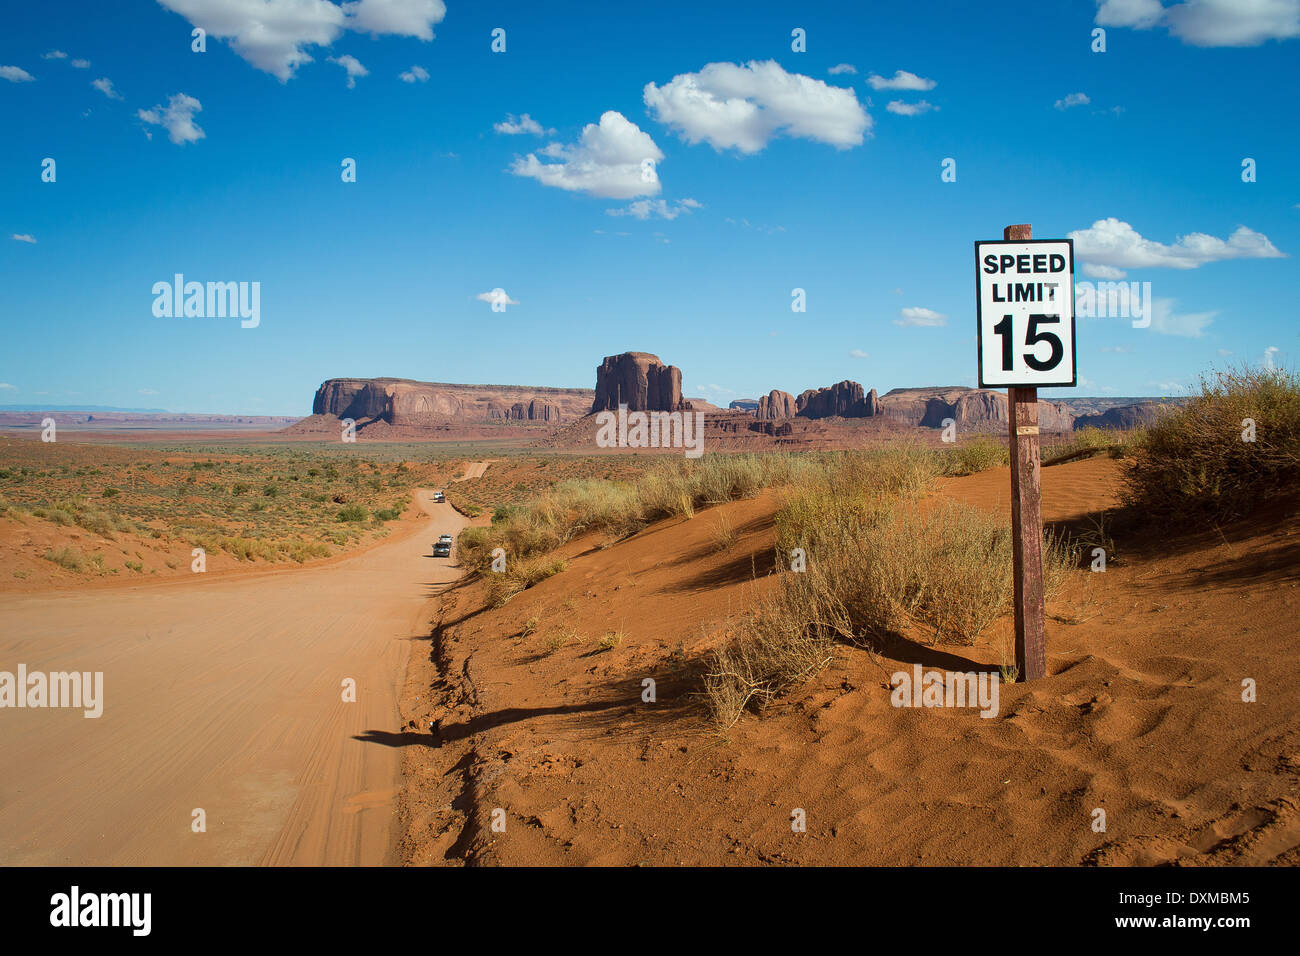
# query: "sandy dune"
[[220, 694], [1141, 717]]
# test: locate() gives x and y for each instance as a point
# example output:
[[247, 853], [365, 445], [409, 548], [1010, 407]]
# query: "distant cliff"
[[401, 401]]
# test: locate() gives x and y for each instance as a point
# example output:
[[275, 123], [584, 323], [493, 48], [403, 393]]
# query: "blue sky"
[[773, 170]]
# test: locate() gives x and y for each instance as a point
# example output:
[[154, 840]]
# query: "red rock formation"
[[776, 406], [972, 409], [404, 402], [844, 399], [639, 381]]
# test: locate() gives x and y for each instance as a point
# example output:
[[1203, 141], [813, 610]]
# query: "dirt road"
[[224, 695]]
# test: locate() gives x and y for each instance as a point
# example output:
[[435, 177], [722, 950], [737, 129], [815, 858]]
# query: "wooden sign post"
[[1013, 279], [1027, 518]]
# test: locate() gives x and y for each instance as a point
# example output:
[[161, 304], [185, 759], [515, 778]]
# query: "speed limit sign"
[[1024, 306]]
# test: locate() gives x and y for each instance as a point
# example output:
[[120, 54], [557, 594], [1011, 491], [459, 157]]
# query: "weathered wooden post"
[[1026, 518], [1025, 305]]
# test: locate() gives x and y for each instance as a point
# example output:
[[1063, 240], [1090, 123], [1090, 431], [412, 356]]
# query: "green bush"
[[353, 513], [1196, 462]]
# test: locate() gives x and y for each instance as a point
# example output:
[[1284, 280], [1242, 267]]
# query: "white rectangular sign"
[[1024, 306]]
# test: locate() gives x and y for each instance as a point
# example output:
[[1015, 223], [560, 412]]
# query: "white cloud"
[[524, 124], [407, 18], [81, 64], [914, 315], [901, 80], [1073, 99], [1117, 349], [416, 74], [177, 118], [1140, 14], [840, 68], [1167, 322], [8, 386], [910, 109], [105, 86], [606, 161], [1115, 244], [495, 296], [15, 74], [148, 391], [1208, 23], [24, 237], [1268, 355], [273, 35], [858, 354], [54, 55], [745, 107], [1223, 352], [353, 67], [650, 208], [1102, 272]]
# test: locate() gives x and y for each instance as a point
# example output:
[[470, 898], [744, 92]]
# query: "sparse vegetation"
[[67, 557], [1204, 460], [188, 496], [977, 454]]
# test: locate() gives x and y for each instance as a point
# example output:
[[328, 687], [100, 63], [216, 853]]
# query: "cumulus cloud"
[[914, 315], [24, 237], [651, 208], [177, 117], [1109, 246], [105, 86], [273, 35], [524, 124], [1208, 23], [901, 80], [1073, 99], [353, 67], [731, 106], [406, 18], [858, 354], [81, 64], [15, 74], [839, 68], [607, 161], [495, 296], [416, 74], [910, 109], [54, 55]]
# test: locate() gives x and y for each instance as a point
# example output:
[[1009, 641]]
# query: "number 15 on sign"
[[1025, 312]]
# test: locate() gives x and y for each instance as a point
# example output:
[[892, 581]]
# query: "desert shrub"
[[67, 557], [782, 645], [352, 513], [976, 455], [519, 576], [112, 492], [389, 514], [1193, 463], [878, 565]]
